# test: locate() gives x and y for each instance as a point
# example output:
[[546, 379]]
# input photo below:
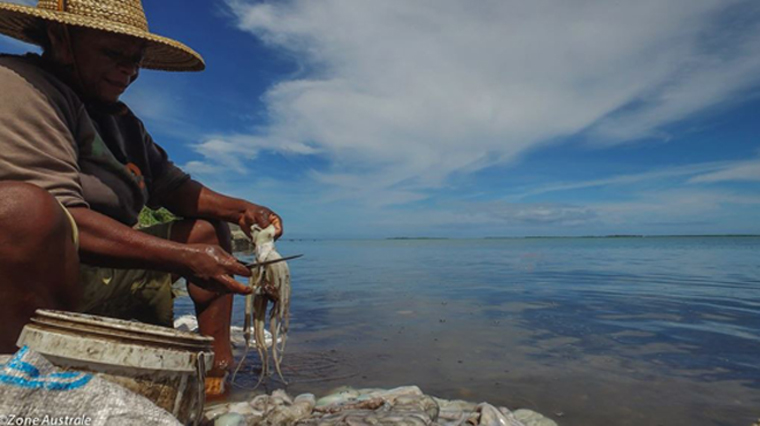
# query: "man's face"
[[107, 63]]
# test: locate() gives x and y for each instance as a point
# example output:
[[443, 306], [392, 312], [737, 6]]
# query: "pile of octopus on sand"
[[359, 407]]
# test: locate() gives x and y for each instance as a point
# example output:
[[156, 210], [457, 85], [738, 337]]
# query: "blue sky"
[[356, 118]]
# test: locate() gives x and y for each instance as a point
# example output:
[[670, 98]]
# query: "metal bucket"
[[166, 366]]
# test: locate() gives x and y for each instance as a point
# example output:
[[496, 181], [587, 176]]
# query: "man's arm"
[[192, 199], [104, 241]]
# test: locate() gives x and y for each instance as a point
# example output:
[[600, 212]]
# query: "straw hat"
[[117, 16]]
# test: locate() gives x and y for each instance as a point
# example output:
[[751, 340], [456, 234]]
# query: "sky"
[[452, 118]]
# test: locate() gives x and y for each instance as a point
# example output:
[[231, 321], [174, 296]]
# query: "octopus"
[[270, 284]]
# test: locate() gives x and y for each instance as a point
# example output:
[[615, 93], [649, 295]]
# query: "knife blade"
[[252, 265]]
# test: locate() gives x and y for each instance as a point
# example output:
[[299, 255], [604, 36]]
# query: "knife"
[[268, 262]]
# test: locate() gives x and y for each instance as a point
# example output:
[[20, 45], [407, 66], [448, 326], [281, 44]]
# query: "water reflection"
[[588, 331]]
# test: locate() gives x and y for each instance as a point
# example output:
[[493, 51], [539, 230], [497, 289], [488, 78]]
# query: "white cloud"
[[202, 168], [542, 214], [224, 155], [674, 211], [162, 106], [231, 152], [402, 94], [150, 102], [668, 206], [713, 211], [671, 174], [748, 171], [704, 80], [253, 144]]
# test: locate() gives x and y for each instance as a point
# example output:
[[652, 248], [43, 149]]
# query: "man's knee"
[[29, 217], [38, 260], [202, 231]]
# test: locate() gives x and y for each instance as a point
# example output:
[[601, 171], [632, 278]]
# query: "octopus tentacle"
[[248, 327], [260, 306], [269, 283]]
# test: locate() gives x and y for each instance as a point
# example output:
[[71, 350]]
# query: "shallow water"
[[590, 332]]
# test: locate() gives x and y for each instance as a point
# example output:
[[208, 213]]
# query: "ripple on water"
[[606, 331]]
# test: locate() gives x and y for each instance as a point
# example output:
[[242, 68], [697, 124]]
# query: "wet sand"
[[551, 377]]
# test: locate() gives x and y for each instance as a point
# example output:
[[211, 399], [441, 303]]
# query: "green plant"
[[150, 217]]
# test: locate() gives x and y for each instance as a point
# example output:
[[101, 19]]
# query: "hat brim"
[[161, 53]]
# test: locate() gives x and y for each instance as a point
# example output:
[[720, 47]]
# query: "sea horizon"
[[523, 237]]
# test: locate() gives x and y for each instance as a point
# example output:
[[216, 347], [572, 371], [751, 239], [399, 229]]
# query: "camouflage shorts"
[[138, 294]]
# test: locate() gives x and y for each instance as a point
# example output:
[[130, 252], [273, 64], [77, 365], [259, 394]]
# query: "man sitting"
[[77, 167]]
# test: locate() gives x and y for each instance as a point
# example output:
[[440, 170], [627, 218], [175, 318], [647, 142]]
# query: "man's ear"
[[60, 45]]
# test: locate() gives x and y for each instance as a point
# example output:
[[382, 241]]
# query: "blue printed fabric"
[[25, 370], [34, 391]]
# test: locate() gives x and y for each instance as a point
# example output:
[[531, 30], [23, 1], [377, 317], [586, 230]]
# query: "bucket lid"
[[102, 344], [135, 332]]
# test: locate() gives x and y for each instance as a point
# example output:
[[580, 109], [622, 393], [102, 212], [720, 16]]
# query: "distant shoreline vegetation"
[[539, 237], [632, 236], [418, 238]]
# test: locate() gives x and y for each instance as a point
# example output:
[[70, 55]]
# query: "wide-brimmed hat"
[[117, 16]]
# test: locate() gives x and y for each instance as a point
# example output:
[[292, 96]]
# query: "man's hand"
[[210, 267], [259, 215], [192, 199]]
